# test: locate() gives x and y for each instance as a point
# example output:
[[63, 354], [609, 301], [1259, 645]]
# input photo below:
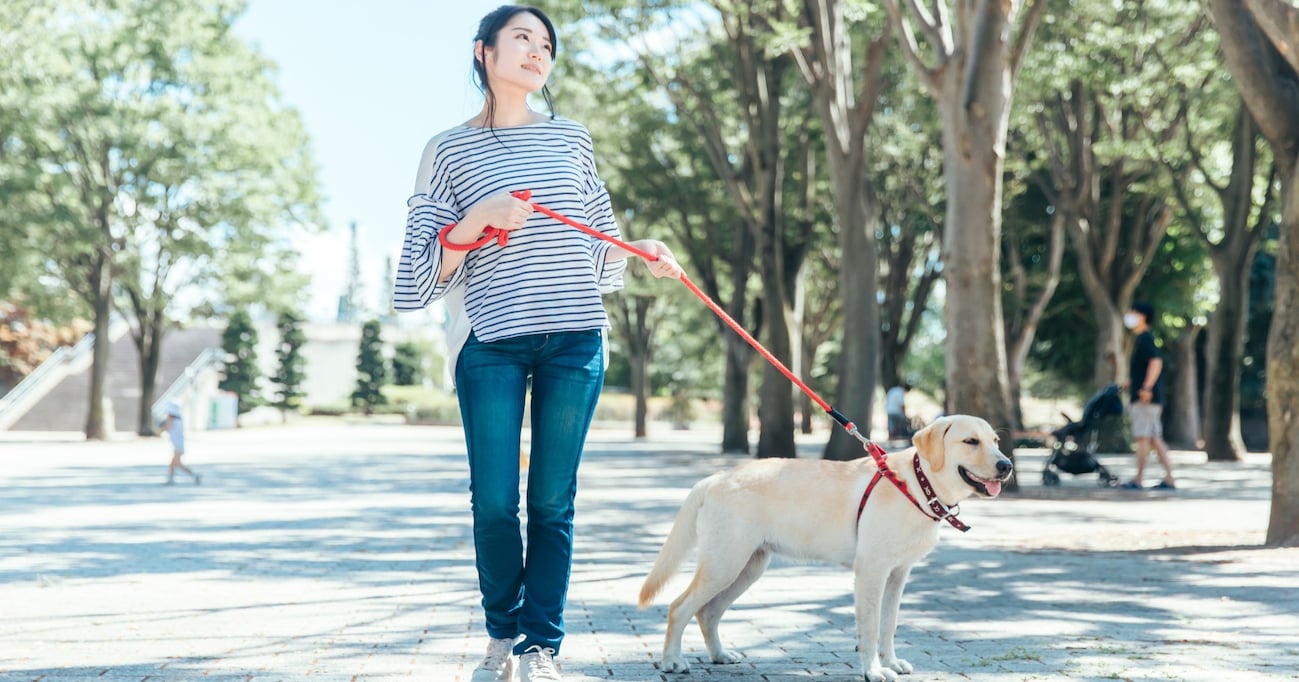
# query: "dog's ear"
[[929, 443]]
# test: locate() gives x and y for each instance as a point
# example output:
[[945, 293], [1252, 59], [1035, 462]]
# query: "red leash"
[[876, 452]]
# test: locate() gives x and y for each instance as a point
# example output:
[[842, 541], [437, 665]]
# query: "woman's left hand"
[[666, 265]]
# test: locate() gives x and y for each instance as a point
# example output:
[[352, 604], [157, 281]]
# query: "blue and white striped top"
[[550, 276]]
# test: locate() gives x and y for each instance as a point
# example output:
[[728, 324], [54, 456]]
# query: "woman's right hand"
[[501, 211]]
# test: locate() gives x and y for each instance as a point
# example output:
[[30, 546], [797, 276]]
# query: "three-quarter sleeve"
[[599, 215], [430, 210]]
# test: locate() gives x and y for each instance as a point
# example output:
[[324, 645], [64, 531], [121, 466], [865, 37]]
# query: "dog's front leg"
[[889, 620], [869, 575]]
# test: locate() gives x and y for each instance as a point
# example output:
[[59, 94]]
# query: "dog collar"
[[937, 510], [941, 511]]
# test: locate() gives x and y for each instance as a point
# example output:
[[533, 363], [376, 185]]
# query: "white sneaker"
[[498, 663], [537, 664]]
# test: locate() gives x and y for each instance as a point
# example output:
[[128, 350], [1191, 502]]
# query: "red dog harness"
[[936, 511]]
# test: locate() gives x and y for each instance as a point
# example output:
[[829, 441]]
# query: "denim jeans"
[[526, 595]]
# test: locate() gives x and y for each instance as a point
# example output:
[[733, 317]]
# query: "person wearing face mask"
[[1145, 381]]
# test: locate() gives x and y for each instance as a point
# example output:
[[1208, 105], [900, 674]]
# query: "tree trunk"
[[858, 213], [776, 397], [975, 348], [1183, 408], [890, 373], [807, 411], [1111, 363], [640, 389], [149, 348], [1283, 369], [1261, 55], [101, 303], [735, 395], [739, 355], [1226, 344]]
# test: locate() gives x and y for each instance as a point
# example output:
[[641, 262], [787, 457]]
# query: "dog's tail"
[[680, 540]]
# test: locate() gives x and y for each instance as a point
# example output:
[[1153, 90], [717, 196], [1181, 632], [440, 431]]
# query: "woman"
[[535, 318]]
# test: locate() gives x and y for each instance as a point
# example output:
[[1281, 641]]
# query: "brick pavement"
[[342, 551]]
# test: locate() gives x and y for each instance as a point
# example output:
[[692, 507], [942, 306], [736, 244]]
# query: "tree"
[[371, 370], [633, 316], [1260, 39], [407, 364], [726, 109], [1232, 241], [752, 169], [241, 374], [1033, 270], [155, 144], [977, 51], [846, 109], [292, 368], [907, 170]]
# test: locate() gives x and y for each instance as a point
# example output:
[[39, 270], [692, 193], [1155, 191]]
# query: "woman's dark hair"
[[488, 30]]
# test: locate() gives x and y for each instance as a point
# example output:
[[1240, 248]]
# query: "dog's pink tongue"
[[994, 487]]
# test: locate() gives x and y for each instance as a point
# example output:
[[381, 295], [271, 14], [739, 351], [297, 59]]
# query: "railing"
[[185, 382], [62, 362]]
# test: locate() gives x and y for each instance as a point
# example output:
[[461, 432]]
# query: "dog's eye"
[[971, 441]]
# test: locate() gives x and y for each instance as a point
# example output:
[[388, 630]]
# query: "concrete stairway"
[[66, 405]]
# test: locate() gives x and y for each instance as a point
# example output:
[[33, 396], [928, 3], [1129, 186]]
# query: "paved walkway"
[[338, 551]]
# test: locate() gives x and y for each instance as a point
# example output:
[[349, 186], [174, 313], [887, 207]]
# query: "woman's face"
[[522, 55]]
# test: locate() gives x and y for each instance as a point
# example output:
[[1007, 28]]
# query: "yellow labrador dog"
[[814, 509]]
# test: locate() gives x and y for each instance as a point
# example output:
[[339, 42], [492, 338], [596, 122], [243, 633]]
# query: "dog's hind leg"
[[716, 572], [711, 614], [889, 620]]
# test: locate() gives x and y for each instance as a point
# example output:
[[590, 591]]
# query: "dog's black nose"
[[1004, 467]]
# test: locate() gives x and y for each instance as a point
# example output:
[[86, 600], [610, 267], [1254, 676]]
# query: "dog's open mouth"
[[988, 487]]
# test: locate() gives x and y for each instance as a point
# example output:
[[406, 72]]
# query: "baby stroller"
[[1074, 444]]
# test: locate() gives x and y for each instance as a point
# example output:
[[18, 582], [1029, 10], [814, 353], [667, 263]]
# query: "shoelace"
[[541, 664], [498, 651]]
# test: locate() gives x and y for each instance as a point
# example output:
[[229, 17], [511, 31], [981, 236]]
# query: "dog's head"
[[963, 456]]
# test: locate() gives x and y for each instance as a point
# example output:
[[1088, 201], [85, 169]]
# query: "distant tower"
[[349, 304]]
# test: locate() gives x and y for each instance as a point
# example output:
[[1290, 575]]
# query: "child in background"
[[174, 426]]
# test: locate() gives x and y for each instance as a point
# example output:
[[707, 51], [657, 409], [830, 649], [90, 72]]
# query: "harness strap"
[[938, 513], [866, 495]]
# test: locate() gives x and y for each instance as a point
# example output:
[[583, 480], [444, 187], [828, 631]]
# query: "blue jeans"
[[526, 596]]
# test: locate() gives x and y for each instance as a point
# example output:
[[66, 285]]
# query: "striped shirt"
[[550, 276]]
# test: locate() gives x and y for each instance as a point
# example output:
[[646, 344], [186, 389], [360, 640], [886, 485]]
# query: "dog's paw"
[[899, 666], [878, 673], [727, 657], [675, 664]]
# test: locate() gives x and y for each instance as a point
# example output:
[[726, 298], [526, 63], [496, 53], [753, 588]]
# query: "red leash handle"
[[502, 237]]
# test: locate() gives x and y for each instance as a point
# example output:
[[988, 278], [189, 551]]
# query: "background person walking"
[[174, 426], [896, 410], [1145, 380]]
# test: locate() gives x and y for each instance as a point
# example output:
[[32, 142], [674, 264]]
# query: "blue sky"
[[373, 82]]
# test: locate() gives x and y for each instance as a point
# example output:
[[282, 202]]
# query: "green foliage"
[[241, 374], [407, 364], [371, 370], [292, 365], [148, 132]]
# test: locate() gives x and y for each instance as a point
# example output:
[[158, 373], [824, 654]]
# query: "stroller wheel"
[[1050, 478], [1105, 479]]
